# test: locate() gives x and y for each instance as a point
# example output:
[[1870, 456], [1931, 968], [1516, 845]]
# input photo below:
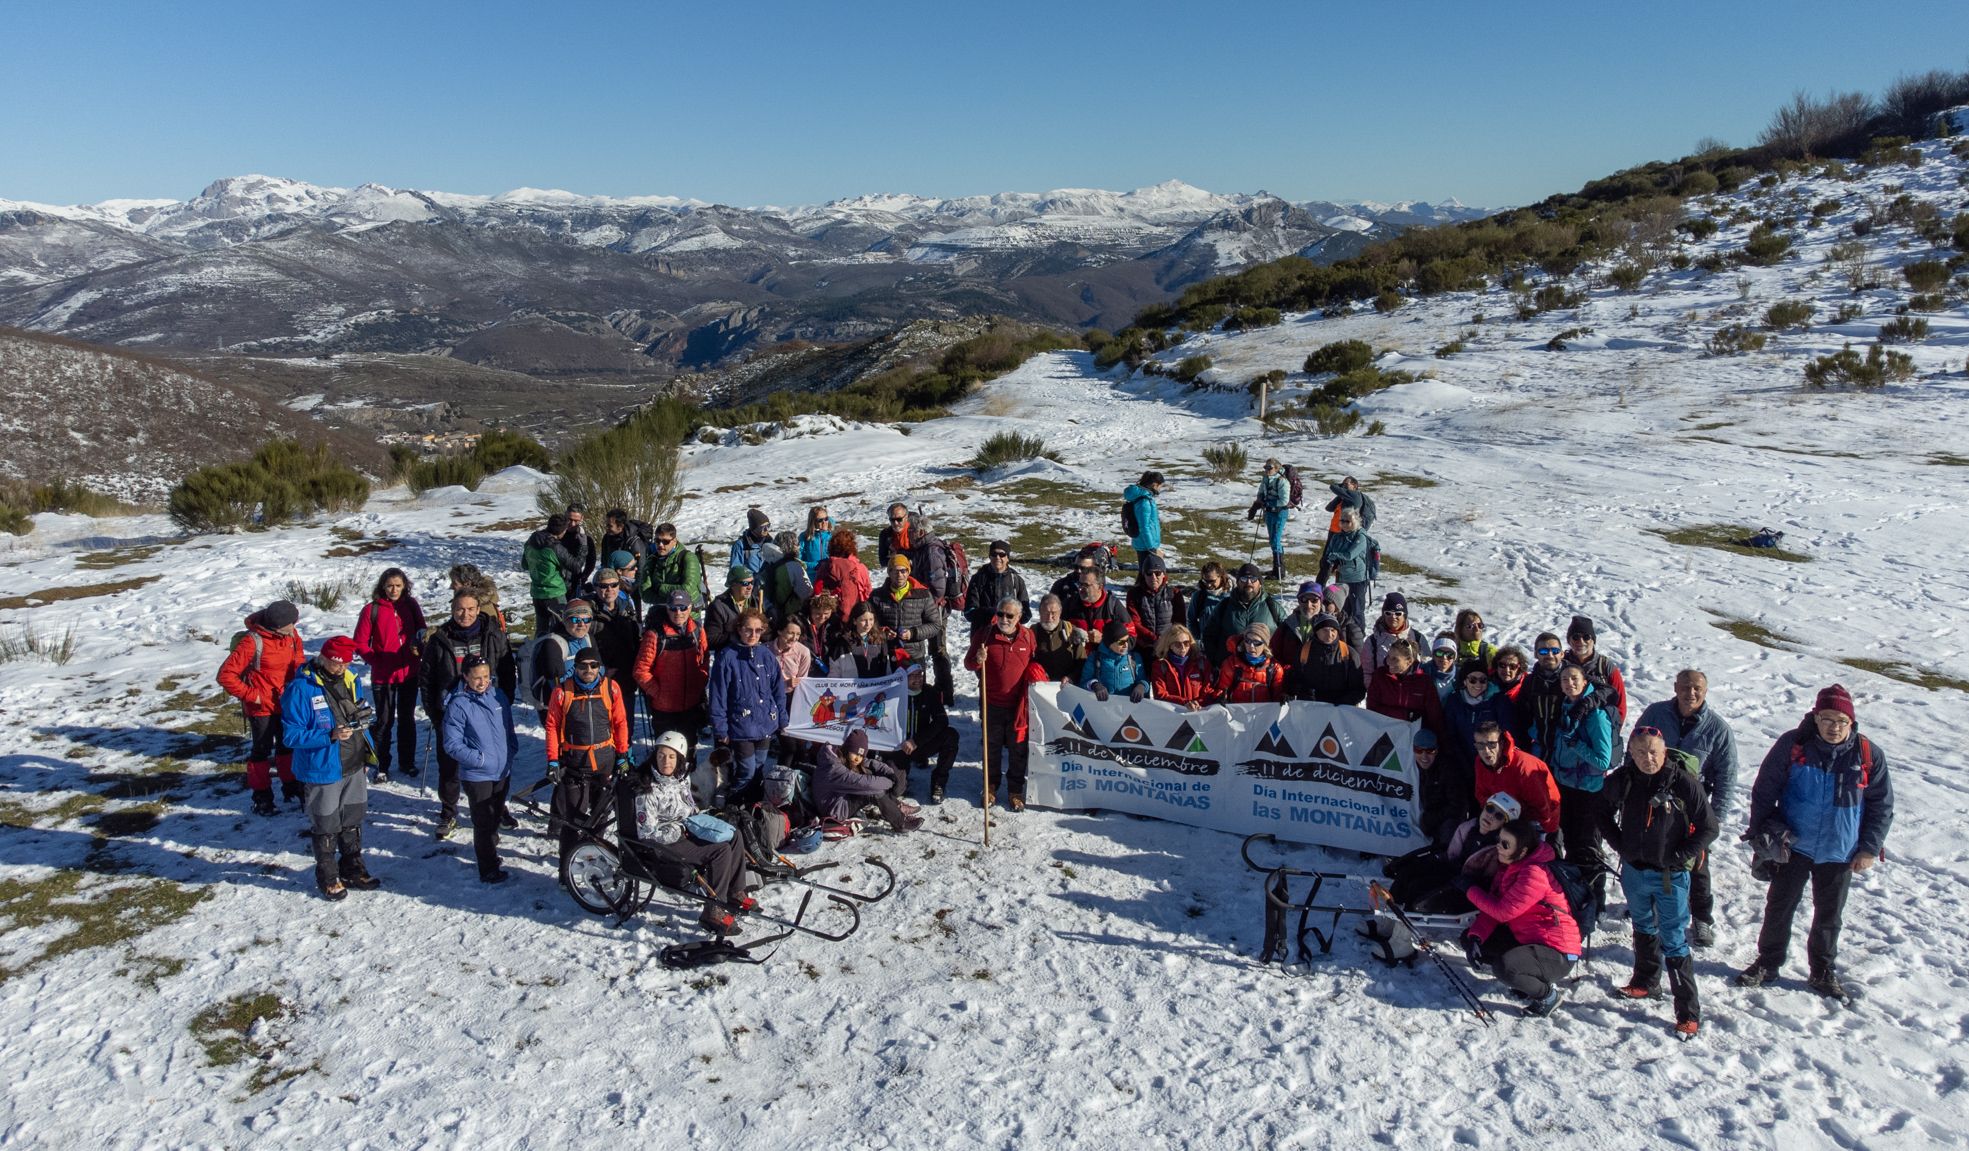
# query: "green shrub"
[[1452, 348], [1698, 183], [1377, 428], [19, 500], [1627, 277], [1679, 261], [1735, 340], [1340, 356], [1789, 314], [1765, 247], [1349, 386], [1247, 318], [1190, 367], [635, 465], [1387, 301], [1225, 461], [1926, 275], [1730, 178], [1554, 297], [1712, 262], [283, 481], [1331, 420], [1009, 448], [1847, 313], [1927, 302], [1824, 208], [1093, 338], [1846, 367], [1960, 235], [403, 457], [1904, 330], [1562, 341], [1699, 227], [1891, 150]]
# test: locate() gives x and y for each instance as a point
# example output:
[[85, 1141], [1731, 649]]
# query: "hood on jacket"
[[1134, 492]]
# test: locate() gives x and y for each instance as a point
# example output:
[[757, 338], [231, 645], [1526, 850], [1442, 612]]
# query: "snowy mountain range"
[[260, 264]]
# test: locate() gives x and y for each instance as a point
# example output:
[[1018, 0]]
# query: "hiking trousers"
[[1829, 883]]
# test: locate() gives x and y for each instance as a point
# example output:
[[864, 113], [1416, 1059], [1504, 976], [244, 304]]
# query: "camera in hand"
[[364, 716]]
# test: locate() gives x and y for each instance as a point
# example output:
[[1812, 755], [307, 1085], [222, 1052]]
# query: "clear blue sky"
[[781, 103]]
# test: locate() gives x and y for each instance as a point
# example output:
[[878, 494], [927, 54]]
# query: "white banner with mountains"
[[1306, 772]]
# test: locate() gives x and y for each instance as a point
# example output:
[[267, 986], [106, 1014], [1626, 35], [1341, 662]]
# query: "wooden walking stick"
[[984, 731]]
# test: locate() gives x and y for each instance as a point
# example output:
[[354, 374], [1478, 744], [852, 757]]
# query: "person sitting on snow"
[[653, 807]]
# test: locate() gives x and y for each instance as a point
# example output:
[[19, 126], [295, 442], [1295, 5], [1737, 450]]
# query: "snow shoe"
[[718, 923], [839, 828], [500, 876], [1637, 991], [911, 822], [704, 952]]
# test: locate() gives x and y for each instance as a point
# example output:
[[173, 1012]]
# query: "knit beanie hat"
[[1836, 698], [857, 741], [279, 614], [342, 649], [1579, 628]]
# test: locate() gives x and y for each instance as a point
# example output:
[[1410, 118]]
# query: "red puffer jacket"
[[671, 666], [1525, 898], [386, 638], [1239, 682], [258, 686], [846, 579], [1526, 778], [1194, 682]]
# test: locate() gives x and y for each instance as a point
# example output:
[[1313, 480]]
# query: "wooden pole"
[[1264, 390], [984, 726]]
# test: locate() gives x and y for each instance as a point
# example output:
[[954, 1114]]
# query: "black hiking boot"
[[1827, 984], [1702, 934], [1756, 975], [936, 794], [263, 803]]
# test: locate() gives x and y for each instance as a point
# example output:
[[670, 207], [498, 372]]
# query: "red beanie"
[[342, 649], [1836, 699]]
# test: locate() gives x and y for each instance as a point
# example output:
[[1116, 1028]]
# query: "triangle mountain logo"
[[1187, 741], [1275, 743]]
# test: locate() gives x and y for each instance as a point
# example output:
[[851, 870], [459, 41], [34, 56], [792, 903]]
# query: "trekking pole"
[[984, 735], [1382, 898]]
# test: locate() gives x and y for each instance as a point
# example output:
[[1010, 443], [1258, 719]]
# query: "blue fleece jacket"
[[478, 733]]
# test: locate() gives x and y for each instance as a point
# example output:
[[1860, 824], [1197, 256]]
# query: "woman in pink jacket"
[[387, 633], [1524, 928]]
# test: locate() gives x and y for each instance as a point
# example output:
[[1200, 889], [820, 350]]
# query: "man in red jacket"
[[672, 666], [261, 664], [1003, 659], [1502, 767]]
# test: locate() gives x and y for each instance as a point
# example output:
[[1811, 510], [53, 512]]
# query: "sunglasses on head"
[[1646, 732]]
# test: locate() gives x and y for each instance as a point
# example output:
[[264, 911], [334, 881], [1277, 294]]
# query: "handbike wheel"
[[594, 877]]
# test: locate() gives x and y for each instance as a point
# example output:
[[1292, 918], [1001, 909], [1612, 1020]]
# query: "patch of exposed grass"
[[508, 526], [150, 970], [1711, 426], [1921, 677], [1034, 493], [116, 557], [81, 591], [105, 914], [247, 1027], [1403, 480], [1820, 453], [359, 548], [954, 483], [1750, 631], [1722, 538], [1391, 566], [1948, 460]]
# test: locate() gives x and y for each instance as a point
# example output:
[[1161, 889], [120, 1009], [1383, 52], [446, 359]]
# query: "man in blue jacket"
[[746, 698], [325, 713], [1824, 791], [1687, 723]]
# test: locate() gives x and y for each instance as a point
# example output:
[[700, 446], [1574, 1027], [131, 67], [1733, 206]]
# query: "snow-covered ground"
[[1088, 979]]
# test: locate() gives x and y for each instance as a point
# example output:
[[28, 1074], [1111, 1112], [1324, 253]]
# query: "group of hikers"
[[1524, 757]]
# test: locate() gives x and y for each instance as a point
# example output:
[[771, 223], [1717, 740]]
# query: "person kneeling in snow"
[[850, 777], [654, 807], [1524, 926]]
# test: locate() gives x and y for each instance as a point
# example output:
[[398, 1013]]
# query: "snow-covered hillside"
[[1087, 980]]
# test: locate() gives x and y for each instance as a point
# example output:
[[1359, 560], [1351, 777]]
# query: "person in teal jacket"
[[1582, 753], [1115, 666], [1275, 500], [325, 713], [814, 541], [1353, 557], [1140, 496]]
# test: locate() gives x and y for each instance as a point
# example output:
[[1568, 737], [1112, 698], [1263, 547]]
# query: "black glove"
[[1473, 950], [1138, 693], [1464, 881], [1101, 691], [1252, 515]]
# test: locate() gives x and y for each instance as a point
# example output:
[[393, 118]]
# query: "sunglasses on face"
[[1489, 810], [898, 519], [1477, 625], [606, 586], [1486, 744], [574, 619], [1548, 651], [1396, 614], [822, 520], [667, 543], [590, 666], [686, 607], [1181, 643], [1001, 555], [752, 631], [1008, 615]]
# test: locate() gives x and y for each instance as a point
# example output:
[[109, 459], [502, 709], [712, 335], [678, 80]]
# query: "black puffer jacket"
[[915, 614], [1659, 822]]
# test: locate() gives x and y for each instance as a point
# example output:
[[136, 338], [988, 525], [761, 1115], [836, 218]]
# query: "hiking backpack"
[[1131, 524], [1586, 896], [956, 573], [259, 646], [1297, 485], [537, 681]]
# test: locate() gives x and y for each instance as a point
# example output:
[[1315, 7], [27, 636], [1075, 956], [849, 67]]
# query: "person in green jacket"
[[550, 571], [672, 567]]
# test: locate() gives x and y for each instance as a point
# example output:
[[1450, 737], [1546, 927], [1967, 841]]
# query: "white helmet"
[[675, 742]]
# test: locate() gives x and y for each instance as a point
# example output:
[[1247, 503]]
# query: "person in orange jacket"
[[263, 661], [1250, 674], [587, 736]]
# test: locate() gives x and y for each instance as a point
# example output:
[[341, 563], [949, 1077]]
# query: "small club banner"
[[1306, 772], [826, 710]]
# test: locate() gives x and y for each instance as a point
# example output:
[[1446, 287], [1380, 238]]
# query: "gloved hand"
[[1101, 691], [1252, 515], [1464, 881], [1473, 950], [1138, 693], [554, 770]]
